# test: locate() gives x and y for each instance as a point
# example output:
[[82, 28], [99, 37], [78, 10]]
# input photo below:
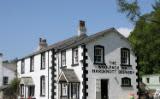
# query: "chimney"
[[42, 44], [81, 29]]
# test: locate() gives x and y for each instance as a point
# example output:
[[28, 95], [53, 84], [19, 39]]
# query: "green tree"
[[132, 10], [11, 91], [145, 37]]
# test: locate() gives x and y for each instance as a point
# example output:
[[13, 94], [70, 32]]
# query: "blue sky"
[[22, 22]]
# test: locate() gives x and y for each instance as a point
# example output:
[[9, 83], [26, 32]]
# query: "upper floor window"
[[43, 61], [5, 80], [63, 58], [99, 54], [22, 67], [126, 82], [75, 55], [147, 79], [125, 56], [42, 86], [32, 64]]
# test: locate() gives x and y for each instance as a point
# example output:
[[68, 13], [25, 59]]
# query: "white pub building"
[[99, 66]]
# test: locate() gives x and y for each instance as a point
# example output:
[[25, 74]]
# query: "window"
[[99, 54], [5, 80], [30, 90], [43, 60], [42, 85], [32, 64], [64, 89], [22, 67], [75, 90], [147, 79], [75, 56], [125, 56], [126, 82], [63, 58], [22, 90]]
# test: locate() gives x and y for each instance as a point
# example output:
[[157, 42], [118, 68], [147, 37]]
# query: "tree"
[[145, 37], [11, 92], [132, 10]]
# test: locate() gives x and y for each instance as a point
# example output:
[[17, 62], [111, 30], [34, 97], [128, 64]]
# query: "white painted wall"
[[112, 43], [77, 68], [37, 73]]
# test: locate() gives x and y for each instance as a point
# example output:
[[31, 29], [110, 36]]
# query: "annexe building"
[[99, 66], [7, 74]]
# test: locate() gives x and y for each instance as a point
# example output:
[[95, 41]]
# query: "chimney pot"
[[42, 43], [81, 29]]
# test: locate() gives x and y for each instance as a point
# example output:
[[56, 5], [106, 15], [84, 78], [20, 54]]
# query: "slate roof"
[[74, 41], [68, 75]]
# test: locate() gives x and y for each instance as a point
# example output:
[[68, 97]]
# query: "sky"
[[23, 22]]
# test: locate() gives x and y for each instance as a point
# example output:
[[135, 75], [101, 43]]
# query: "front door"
[[104, 89]]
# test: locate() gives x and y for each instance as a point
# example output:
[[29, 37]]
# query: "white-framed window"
[[99, 54], [5, 80], [32, 64], [22, 90], [31, 90], [64, 89], [126, 82], [75, 55], [125, 56], [147, 79], [75, 90], [43, 61], [42, 86], [63, 58], [22, 66]]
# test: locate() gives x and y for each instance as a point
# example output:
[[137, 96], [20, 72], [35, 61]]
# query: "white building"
[[152, 82], [99, 66], [7, 73]]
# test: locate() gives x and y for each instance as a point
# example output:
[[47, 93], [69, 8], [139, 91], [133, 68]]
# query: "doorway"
[[104, 89]]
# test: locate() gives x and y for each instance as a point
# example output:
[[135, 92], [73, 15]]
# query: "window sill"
[[126, 86], [99, 63], [126, 65], [62, 67], [32, 71], [42, 95], [75, 64], [42, 68]]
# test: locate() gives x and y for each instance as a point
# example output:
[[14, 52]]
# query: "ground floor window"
[[69, 90], [126, 82], [31, 91], [64, 89], [22, 90]]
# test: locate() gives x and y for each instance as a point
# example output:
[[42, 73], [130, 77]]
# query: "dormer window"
[[99, 54], [125, 56], [75, 56], [63, 58]]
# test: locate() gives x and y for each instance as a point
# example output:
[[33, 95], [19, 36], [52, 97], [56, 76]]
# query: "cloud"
[[124, 31]]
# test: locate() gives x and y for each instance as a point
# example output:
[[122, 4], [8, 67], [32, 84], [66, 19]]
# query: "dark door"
[[104, 89]]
